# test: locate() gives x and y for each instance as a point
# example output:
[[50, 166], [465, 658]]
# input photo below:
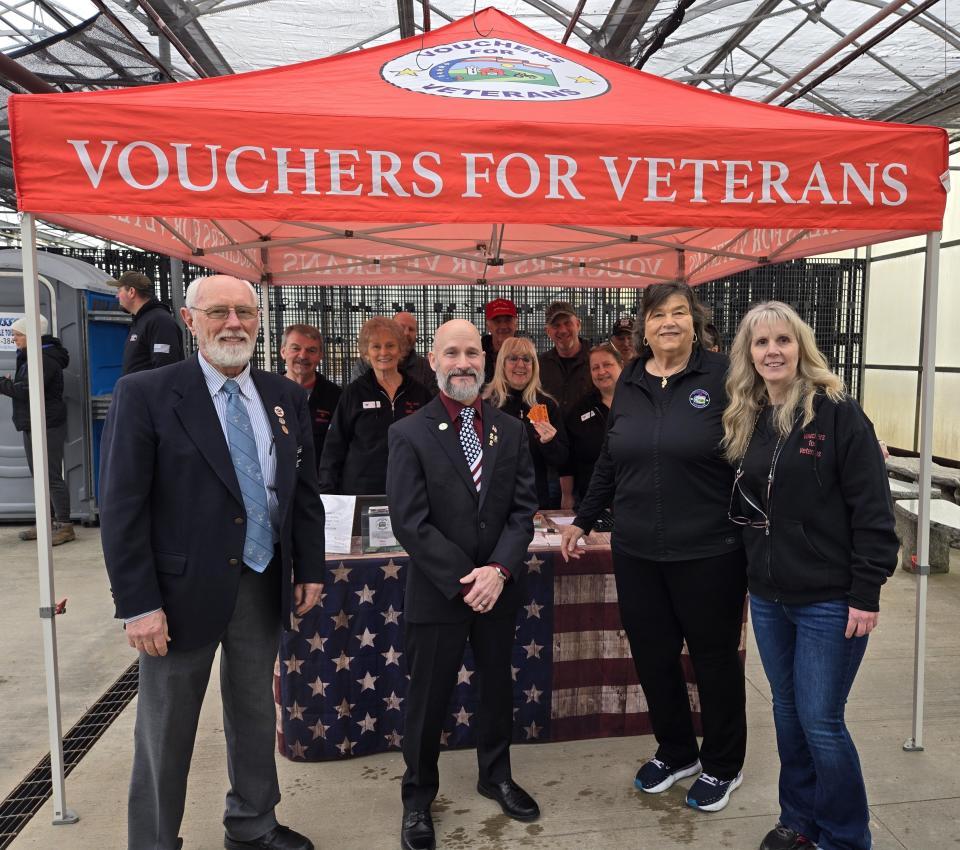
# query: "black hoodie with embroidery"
[[831, 533], [55, 360], [154, 340]]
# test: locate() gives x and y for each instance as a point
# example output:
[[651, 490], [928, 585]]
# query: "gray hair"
[[193, 290]]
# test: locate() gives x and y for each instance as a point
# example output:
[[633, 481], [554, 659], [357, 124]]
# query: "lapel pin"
[[282, 421], [443, 426], [278, 410], [284, 429]]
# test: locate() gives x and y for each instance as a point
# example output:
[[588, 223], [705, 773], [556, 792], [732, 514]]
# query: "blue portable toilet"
[[84, 313]]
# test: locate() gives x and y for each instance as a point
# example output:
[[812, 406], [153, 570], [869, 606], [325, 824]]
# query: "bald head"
[[408, 322], [457, 358]]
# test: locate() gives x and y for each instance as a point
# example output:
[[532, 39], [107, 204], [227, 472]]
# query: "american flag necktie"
[[470, 443]]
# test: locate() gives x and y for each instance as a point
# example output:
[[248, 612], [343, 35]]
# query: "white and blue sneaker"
[[655, 776], [710, 794]]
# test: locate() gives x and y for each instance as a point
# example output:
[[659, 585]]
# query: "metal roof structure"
[[894, 61]]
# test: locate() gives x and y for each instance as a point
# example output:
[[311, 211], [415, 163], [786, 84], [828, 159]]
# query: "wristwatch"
[[501, 574]]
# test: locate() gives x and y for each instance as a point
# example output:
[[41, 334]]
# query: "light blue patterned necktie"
[[258, 546]]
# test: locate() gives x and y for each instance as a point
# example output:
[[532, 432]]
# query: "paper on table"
[[338, 525], [562, 520]]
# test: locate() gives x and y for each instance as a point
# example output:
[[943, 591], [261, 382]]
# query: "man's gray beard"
[[219, 354], [458, 392]]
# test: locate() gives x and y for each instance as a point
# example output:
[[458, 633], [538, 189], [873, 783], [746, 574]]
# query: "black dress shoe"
[[278, 838], [416, 830], [514, 801]]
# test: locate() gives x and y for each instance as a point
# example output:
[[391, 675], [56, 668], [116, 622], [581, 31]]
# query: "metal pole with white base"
[[927, 380], [41, 496]]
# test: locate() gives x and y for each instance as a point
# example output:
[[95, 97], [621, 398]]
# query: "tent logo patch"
[[493, 69]]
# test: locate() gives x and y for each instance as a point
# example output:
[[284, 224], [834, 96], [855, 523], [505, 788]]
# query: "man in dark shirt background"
[[301, 349], [501, 318], [155, 338], [565, 368]]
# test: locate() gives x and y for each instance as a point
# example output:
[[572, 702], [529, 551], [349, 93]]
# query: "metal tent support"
[[41, 495], [927, 381]]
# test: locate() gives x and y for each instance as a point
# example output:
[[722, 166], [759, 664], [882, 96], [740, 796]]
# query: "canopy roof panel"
[[482, 143]]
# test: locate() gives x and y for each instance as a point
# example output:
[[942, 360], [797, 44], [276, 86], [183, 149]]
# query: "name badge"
[[589, 414], [371, 405]]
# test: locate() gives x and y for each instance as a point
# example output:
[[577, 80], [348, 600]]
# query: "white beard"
[[229, 354]]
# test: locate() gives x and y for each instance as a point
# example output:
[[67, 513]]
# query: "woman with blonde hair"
[[811, 494], [515, 388], [354, 459]]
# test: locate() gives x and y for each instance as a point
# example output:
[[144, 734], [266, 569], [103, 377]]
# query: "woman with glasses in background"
[[515, 388], [354, 459], [679, 563], [812, 496]]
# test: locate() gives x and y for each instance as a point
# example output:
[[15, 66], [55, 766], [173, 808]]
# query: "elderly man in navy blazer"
[[212, 532], [460, 485]]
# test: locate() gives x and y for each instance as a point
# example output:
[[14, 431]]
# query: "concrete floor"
[[584, 788]]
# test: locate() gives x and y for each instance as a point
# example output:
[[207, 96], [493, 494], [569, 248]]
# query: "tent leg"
[[266, 326], [928, 379], [41, 495]]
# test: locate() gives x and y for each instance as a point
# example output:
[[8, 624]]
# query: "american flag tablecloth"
[[341, 681]]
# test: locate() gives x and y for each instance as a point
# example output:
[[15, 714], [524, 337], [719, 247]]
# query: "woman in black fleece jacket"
[[812, 496]]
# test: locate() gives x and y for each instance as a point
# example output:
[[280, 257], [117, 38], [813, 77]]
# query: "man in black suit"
[[212, 532], [460, 485]]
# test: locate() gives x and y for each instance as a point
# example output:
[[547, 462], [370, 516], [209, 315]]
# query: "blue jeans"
[[810, 666]]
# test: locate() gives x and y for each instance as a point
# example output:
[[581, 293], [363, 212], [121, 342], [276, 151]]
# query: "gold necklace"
[[663, 378]]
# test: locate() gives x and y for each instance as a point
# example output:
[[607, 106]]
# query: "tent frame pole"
[[914, 743], [41, 497]]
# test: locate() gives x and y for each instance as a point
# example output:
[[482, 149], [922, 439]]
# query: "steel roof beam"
[[622, 26]]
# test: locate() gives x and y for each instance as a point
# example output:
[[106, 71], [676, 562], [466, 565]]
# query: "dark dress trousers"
[[448, 528], [173, 527]]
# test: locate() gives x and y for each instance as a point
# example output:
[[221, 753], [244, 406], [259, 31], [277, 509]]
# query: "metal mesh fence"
[[828, 294]]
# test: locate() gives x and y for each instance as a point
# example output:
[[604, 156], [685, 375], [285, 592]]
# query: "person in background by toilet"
[[155, 338], [55, 360]]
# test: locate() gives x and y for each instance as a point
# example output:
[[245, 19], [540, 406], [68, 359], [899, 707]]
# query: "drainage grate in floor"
[[29, 796]]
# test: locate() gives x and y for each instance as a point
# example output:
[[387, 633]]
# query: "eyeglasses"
[[219, 313], [742, 520], [519, 358]]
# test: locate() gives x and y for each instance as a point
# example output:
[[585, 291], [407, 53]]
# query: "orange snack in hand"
[[538, 413]]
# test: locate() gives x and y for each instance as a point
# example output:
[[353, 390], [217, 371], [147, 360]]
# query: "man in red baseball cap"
[[501, 314]]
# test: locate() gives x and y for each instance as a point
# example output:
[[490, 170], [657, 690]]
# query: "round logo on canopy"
[[493, 69]]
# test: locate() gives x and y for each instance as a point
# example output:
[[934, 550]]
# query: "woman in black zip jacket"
[[354, 459], [679, 564], [812, 496]]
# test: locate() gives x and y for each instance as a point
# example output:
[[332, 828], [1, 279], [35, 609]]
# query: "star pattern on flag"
[[316, 643], [345, 693], [341, 573], [365, 595], [367, 683], [533, 731], [295, 622], [342, 619], [391, 570], [319, 730], [534, 564], [390, 616], [318, 688]]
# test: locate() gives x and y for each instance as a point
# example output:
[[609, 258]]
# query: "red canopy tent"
[[481, 152]]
